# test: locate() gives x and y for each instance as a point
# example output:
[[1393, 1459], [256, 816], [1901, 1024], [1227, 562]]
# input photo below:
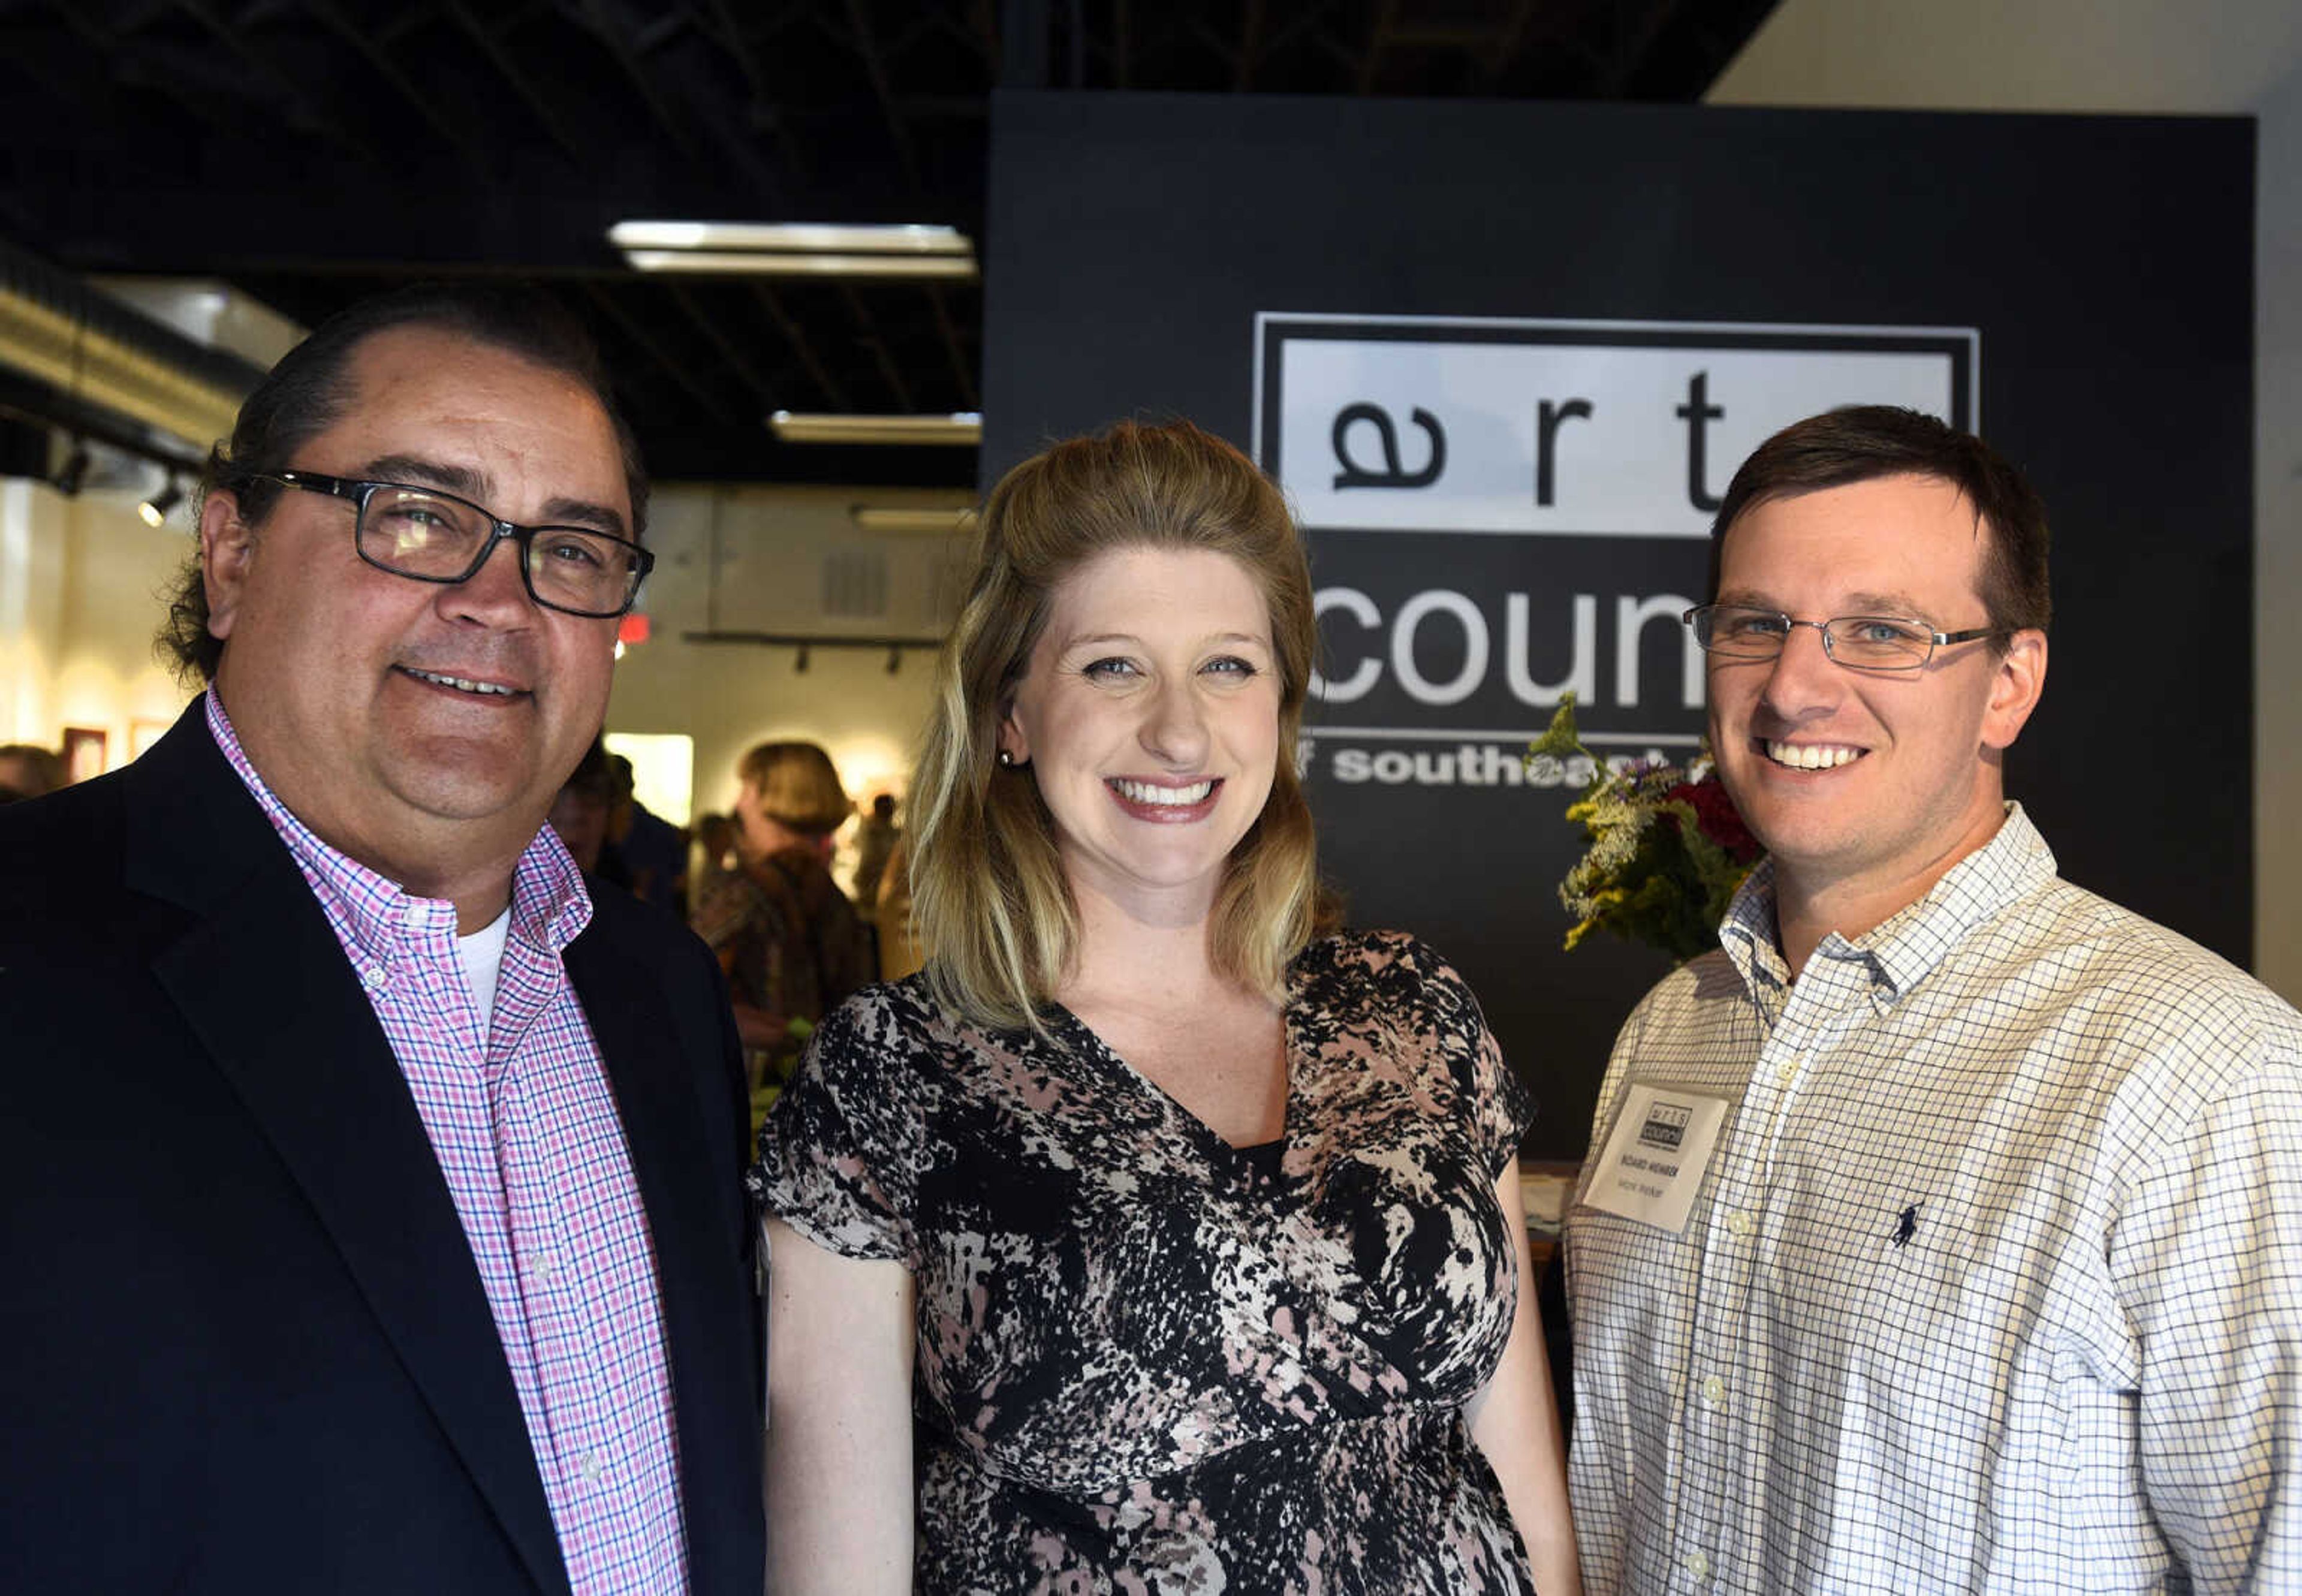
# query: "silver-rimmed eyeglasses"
[[1857, 641], [429, 536]]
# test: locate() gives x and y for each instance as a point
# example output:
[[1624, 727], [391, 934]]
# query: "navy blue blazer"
[[243, 1345]]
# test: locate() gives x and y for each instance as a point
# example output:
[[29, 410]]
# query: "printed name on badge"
[[1654, 1160]]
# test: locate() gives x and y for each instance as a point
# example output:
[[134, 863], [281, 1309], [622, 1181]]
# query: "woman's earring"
[[1006, 760]]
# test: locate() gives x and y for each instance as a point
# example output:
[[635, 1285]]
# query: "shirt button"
[[1741, 1224], [592, 1467], [1698, 1564], [1714, 1392], [542, 1269], [1789, 1071], [376, 977]]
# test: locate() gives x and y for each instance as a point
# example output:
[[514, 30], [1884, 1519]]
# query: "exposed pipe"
[[90, 347]]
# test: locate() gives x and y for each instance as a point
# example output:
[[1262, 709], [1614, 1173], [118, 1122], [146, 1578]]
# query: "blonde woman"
[[1152, 1237]]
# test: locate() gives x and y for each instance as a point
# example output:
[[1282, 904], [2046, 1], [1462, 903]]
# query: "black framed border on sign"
[[1504, 357]]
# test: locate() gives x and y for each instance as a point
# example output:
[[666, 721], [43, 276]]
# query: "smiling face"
[[417, 727], [1867, 786], [1149, 717]]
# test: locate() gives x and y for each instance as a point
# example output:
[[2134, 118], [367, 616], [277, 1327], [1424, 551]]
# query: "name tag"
[[1654, 1161]]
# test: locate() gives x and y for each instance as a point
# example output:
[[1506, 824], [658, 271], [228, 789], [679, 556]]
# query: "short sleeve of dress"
[[1497, 1102], [839, 1153]]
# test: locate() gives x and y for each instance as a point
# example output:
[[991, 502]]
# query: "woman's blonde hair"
[[989, 897]]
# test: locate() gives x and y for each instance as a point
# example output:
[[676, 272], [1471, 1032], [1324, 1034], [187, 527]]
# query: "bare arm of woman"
[[1515, 1420], [839, 1421]]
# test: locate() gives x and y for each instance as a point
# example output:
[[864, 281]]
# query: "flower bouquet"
[[1667, 848]]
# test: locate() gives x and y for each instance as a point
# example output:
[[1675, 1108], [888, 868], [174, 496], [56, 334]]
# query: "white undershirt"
[[482, 952]]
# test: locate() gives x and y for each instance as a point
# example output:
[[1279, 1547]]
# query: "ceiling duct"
[[92, 351]]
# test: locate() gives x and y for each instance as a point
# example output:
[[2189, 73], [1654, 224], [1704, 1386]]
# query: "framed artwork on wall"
[[84, 751]]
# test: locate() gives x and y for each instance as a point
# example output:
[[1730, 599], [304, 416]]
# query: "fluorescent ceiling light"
[[797, 249], [737, 263], [965, 426], [822, 237], [926, 520]]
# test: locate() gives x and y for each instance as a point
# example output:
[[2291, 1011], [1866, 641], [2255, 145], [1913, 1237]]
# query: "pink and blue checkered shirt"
[[524, 1123]]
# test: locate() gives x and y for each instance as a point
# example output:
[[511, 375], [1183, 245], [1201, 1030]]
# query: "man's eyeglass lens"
[[431, 536], [1870, 641]]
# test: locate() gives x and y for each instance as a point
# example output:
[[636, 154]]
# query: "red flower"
[[1714, 813]]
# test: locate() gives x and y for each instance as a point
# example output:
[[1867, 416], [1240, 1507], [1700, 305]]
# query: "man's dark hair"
[[306, 394], [1863, 442]]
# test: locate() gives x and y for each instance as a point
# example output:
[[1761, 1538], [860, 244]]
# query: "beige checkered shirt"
[[1993, 1280]]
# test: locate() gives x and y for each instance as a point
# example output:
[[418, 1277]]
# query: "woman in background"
[[1198, 1229]]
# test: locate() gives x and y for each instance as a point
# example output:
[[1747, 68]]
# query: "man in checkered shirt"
[[1943, 1232], [370, 1177]]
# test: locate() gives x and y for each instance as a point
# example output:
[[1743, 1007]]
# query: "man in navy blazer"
[[372, 1214]]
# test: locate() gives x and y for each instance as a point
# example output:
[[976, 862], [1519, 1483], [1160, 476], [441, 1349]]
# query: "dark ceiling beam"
[[678, 371], [1507, 48], [499, 55], [1378, 37], [597, 15], [889, 372], [230, 34], [763, 392], [983, 26], [385, 67], [1631, 44], [834, 392], [866, 46], [1023, 44], [1250, 44], [136, 64], [1304, 18], [739, 47], [960, 369], [679, 55]]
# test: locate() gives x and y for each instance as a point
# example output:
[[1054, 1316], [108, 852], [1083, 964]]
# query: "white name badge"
[[1654, 1161]]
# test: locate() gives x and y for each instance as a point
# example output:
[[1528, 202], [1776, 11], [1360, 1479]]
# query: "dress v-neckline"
[[1170, 1105]]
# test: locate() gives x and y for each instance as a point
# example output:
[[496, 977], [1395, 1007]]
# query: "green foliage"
[[1667, 850]]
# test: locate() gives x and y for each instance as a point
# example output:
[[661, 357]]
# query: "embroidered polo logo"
[[1907, 1226], [1666, 1126]]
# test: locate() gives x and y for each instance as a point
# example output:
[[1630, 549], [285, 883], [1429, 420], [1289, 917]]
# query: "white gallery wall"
[[793, 562], [81, 581]]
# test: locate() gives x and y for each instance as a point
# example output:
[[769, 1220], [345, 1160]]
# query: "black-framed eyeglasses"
[[429, 536], [1857, 641]]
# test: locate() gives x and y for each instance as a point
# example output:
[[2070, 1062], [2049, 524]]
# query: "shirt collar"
[[1901, 952], [550, 906]]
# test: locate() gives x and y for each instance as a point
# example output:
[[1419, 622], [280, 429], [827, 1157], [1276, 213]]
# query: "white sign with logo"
[[1620, 429]]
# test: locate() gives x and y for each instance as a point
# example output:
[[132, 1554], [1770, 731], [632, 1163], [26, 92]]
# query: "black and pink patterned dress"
[[1148, 1362]]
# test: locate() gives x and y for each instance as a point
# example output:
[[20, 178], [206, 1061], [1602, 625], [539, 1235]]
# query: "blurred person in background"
[[875, 841], [582, 812], [714, 852], [654, 850], [788, 938], [30, 771], [891, 917]]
